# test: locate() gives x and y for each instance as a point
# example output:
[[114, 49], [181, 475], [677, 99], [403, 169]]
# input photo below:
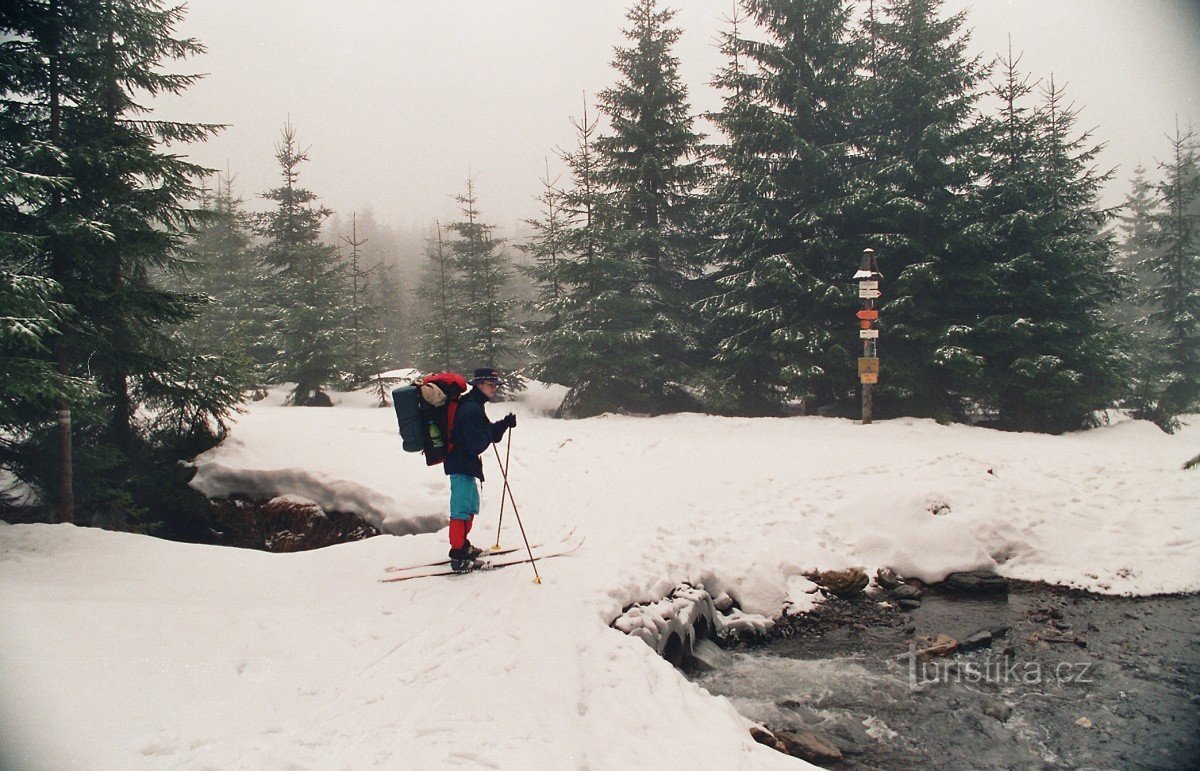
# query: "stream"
[[1057, 678]]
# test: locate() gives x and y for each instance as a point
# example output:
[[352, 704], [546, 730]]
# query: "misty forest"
[[680, 262]]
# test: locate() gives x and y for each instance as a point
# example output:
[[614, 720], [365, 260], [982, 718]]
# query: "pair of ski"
[[486, 561]]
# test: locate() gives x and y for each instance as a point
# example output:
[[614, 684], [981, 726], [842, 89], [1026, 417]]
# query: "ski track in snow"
[[121, 651]]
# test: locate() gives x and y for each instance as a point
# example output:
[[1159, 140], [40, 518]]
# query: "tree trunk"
[[122, 416], [66, 483], [66, 476]]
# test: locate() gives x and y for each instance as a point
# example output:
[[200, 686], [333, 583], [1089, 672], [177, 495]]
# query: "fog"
[[399, 101]]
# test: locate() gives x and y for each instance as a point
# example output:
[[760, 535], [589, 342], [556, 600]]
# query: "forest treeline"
[[665, 270]]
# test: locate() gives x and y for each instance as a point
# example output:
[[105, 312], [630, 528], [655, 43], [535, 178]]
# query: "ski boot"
[[462, 560]]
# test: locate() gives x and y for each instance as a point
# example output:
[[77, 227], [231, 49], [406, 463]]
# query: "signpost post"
[[868, 293]]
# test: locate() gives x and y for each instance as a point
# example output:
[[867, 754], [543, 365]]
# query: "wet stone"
[[810, 745], [887, 578], [842, 583], [906, 592], [938, 645], [977, 582], [981, 639], [997, 709]]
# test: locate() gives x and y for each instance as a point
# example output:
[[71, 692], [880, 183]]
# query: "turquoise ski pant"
[[464, 496]]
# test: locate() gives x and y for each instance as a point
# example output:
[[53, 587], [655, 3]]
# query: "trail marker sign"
[[868, 276], [868, 370]]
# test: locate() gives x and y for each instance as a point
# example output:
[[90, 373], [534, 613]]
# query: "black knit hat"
[[486, 375]]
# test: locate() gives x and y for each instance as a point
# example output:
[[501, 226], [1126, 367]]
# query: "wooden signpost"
[[868, 292]]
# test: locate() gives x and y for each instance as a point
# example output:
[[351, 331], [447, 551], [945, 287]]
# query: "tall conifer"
[[71, 82], [227, 270], [1173, 379], [784, 184], [924, 144], [438, 336], [485, 317], [572, 351], [548, 250], [641, 350], [368, 351], [1048, 353], [310, 285], [1136, 234]]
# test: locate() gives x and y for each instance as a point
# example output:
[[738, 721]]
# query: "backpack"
[[425, 411]]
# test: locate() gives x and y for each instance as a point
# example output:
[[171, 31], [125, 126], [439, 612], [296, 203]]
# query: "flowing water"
[[1069, 680]]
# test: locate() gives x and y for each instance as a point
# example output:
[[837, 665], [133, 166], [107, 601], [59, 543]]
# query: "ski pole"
[[503, 497], [537, 578]]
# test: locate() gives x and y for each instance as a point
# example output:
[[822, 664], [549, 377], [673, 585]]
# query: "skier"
[[470, 435]]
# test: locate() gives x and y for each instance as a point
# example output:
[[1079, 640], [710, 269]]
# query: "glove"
[[509, 421]]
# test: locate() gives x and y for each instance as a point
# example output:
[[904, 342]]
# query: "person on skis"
[[470, 436]]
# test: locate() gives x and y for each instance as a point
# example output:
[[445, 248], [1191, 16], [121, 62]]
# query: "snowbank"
[[124, 651]]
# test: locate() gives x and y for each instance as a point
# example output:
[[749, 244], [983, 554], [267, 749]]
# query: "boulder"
[[766, 738], [941, 645], [841, 583], [977, 582], [705, 657], [887, 578], [810, 745], [294, 507], [906, 592], [981, 639]]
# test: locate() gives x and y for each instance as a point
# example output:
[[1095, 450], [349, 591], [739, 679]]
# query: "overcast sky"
[[399, 100]]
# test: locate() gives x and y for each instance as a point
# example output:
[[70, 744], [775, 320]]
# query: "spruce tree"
[[32, 316], [548, 249], [30, 386], [35, 85], [924, 148], [1172, 384], [364, 332], [483, 271], [643, 351], [310, 284], [386, 283], [573, 351], [437, 341], [1004, 227], [389, 343], [370, 355], [72, 75], [1137, 232], [784, 182], [228, 272], [387, 293], [1052, 356]]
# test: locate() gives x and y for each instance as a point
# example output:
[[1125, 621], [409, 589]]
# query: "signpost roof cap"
[[869, 269]]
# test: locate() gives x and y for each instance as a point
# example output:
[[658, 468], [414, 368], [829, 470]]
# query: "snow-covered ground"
[[122, 651]]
